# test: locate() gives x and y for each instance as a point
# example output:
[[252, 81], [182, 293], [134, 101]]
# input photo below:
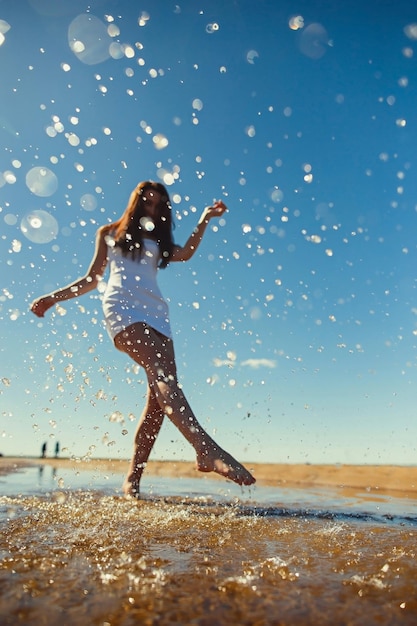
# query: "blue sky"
[[295, 324]]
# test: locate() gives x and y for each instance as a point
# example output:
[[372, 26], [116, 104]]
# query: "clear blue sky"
[[296, 322]]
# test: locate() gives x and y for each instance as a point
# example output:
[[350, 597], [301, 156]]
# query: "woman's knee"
[[151, 350]]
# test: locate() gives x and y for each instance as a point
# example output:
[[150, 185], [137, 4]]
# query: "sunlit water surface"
[[198, 551]]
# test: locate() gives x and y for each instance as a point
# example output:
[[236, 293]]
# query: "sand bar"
[[399, 481]]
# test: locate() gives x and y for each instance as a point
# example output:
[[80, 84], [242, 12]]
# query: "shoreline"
[[396, 480]]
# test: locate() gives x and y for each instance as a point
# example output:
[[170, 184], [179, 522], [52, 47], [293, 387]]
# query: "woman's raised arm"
[[183, 253], [81, 285]]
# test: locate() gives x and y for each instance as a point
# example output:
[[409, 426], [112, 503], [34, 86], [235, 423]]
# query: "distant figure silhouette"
[[56, 449], [137, 320], [43, 450]]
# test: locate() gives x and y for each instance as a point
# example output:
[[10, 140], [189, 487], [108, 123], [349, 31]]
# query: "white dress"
[[132, 293]]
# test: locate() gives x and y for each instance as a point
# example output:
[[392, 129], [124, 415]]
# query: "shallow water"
[[201, 552], [273, 500]]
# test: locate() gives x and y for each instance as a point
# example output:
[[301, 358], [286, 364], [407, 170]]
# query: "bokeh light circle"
[[251, 56], [147, 224], [89, 39], [212, 28], [277, 195], [10, 219], [314, 41], [39, 226], [4, 27], [88, 202], [42, 181]]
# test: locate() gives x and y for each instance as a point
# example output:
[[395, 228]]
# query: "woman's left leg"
[[155, 353], [147, 431]]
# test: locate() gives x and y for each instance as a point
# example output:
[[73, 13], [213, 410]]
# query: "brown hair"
[[128, 232]]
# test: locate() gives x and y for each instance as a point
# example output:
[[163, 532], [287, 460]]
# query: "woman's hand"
[[41, 305], [216, 210], [184, 253]]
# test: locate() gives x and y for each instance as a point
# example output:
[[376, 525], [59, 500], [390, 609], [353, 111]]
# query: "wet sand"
[[394, 480], [90, 558]]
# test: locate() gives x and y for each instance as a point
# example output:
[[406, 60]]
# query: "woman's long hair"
[[128, 231]]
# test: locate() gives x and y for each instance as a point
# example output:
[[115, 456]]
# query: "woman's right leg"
[[156, 354], [147, 431]]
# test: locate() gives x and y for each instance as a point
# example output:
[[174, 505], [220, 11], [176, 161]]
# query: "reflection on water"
[[46, 478], [92, 557], [321, 502]]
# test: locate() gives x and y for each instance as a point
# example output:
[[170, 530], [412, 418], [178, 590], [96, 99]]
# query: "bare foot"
[[224, 464], [131, 489]]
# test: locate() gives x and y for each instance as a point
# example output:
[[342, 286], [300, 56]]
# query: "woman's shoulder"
[[105, 229], [106, 233], [105, 237]]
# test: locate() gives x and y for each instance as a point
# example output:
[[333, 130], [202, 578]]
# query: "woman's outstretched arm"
[[183, 253], [81, 285]]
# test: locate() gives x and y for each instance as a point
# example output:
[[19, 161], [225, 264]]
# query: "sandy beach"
[[398, 481]]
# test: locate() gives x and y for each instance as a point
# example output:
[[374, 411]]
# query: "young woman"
[[137, 320]]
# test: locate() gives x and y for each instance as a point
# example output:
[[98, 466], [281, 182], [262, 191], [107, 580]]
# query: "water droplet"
[[197, 104], [39, 226], [88, 202], [147, 224], [144, 18], [277, 195], [4, 27], [41, 181], [160, 141], [116, 417], [411, 31], [314, 41], [296, 22], [88, 39], [251, 56], [212, 28]]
